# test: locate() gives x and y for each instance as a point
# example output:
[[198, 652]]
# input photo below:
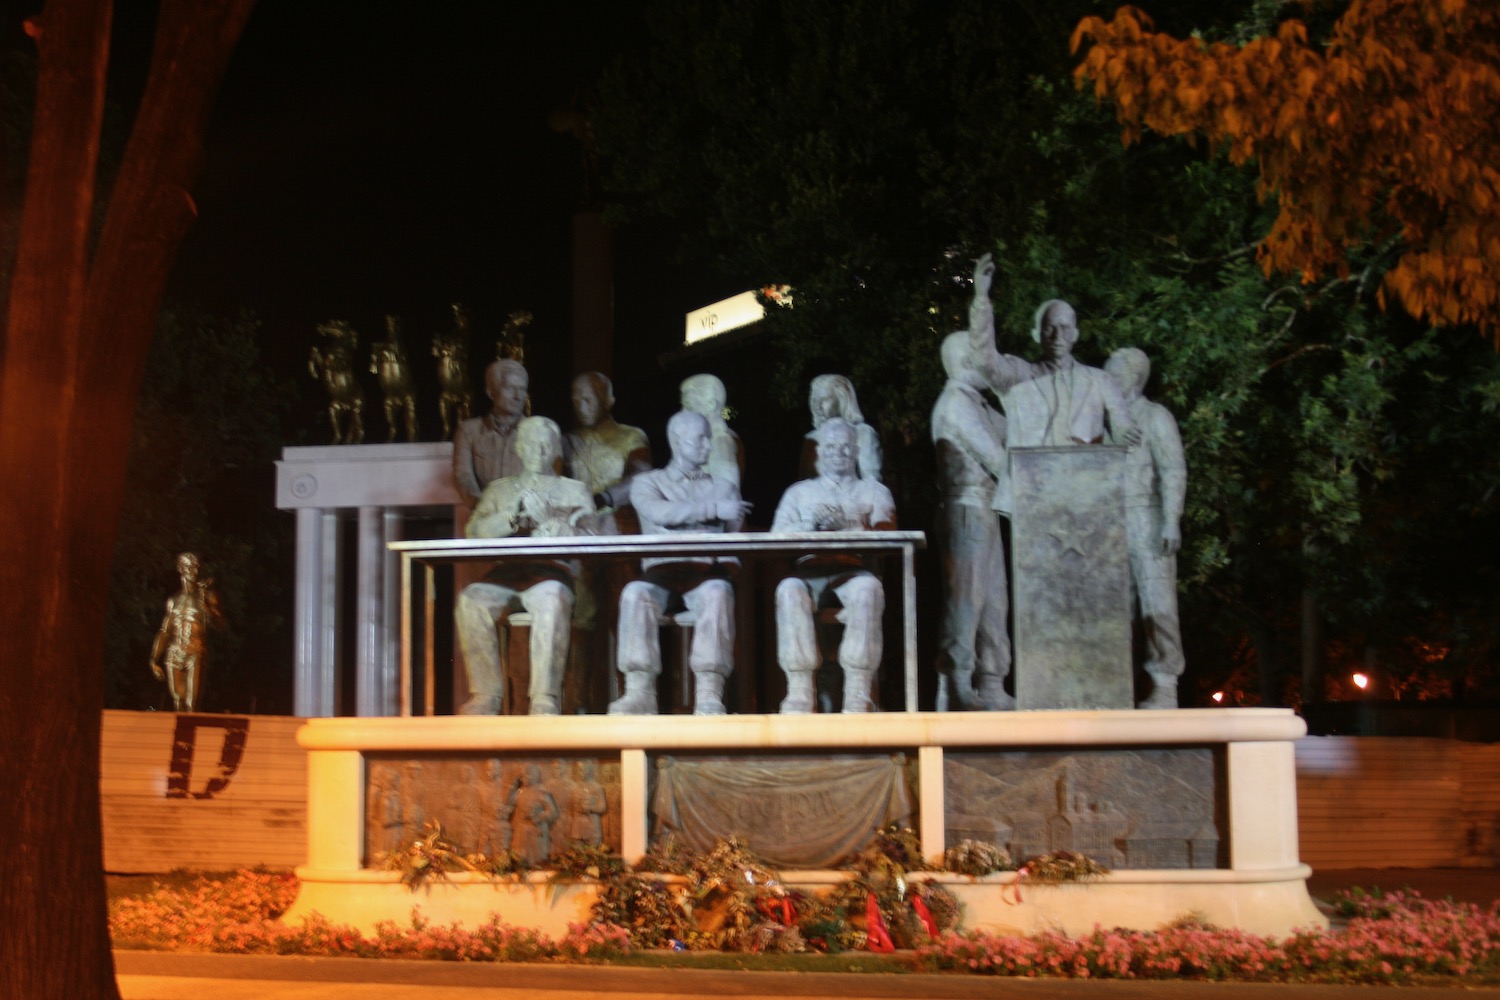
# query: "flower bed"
[[1396, 938]]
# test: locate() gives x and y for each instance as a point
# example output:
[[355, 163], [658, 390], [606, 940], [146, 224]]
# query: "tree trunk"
[[75, 345]]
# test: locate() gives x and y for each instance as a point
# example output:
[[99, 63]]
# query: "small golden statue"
[[388, 360], [181, 643], [333, 363], [452, 351], [512, 343]]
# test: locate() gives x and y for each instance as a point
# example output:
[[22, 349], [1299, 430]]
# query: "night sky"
[[394, 158]]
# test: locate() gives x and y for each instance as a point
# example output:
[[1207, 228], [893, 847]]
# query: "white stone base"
[[1263, 889]]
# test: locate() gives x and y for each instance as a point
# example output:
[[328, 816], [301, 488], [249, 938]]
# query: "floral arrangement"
[[977, 858], [433, 856], [1060, 866]]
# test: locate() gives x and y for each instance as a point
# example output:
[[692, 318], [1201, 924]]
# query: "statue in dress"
[[540, 504], [968, 434], [705, 395], [484, 448], [837, 500], [535, 814], [1055, 401], [388, 360], [1155, 489], [586, 814], [333, 364], [832, 396], [603, 455], [452, 351], [181, 645], [681, 498]]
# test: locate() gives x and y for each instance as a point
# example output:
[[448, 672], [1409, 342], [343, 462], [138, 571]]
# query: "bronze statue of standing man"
[[181, 643]]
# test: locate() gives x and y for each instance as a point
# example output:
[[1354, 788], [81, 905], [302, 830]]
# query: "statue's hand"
[[157, 671], [1171, 540], [827, 517], [1132, 437], [732, 510], [984, 274]]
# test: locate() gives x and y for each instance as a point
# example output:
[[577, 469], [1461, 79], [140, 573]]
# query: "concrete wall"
[[1393, 802], [208, 792]]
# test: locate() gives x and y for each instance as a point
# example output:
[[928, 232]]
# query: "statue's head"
[[593, 398], [492, 769], [833, 396], [704, 394], [838, 448], [690, 437], [957, 360], [187, 566], [1129, 367], [538, 443], [1056, 329], [506, 382]]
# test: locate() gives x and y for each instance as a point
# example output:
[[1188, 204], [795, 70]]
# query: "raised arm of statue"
[[1000, 371]]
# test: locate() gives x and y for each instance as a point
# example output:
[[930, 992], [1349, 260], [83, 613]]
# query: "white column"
[[330, 642], [390, 634], [634, 836], [369, 604], [335, 809], [308, 613], [931, 813], [1262, 806]]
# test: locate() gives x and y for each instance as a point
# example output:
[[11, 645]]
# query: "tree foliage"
[[1386, 132], [866, 152]]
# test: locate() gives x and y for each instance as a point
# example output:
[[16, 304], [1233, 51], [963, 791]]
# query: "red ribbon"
[[924, 915], [877, 937]]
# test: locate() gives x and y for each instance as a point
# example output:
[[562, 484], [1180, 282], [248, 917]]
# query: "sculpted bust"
[[484, 448], [705, 395], [832, 396], [1055, 401], [600, 453]]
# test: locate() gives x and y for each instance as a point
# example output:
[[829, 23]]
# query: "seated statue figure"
[[832, 396], [837, 500], [600, 453], [540, 504], [681, 498]]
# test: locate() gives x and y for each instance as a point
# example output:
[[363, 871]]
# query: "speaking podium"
[[1070, 578]]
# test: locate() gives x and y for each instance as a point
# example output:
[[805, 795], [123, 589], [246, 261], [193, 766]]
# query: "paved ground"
[[170, 976]]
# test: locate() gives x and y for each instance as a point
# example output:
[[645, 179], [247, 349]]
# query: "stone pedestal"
[[1070, 577], [1195, 809]]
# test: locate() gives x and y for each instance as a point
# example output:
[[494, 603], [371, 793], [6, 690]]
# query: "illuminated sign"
[[721, 317]]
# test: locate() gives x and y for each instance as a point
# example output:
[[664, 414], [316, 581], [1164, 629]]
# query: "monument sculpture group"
[[1059, 500], [1088, 472]]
